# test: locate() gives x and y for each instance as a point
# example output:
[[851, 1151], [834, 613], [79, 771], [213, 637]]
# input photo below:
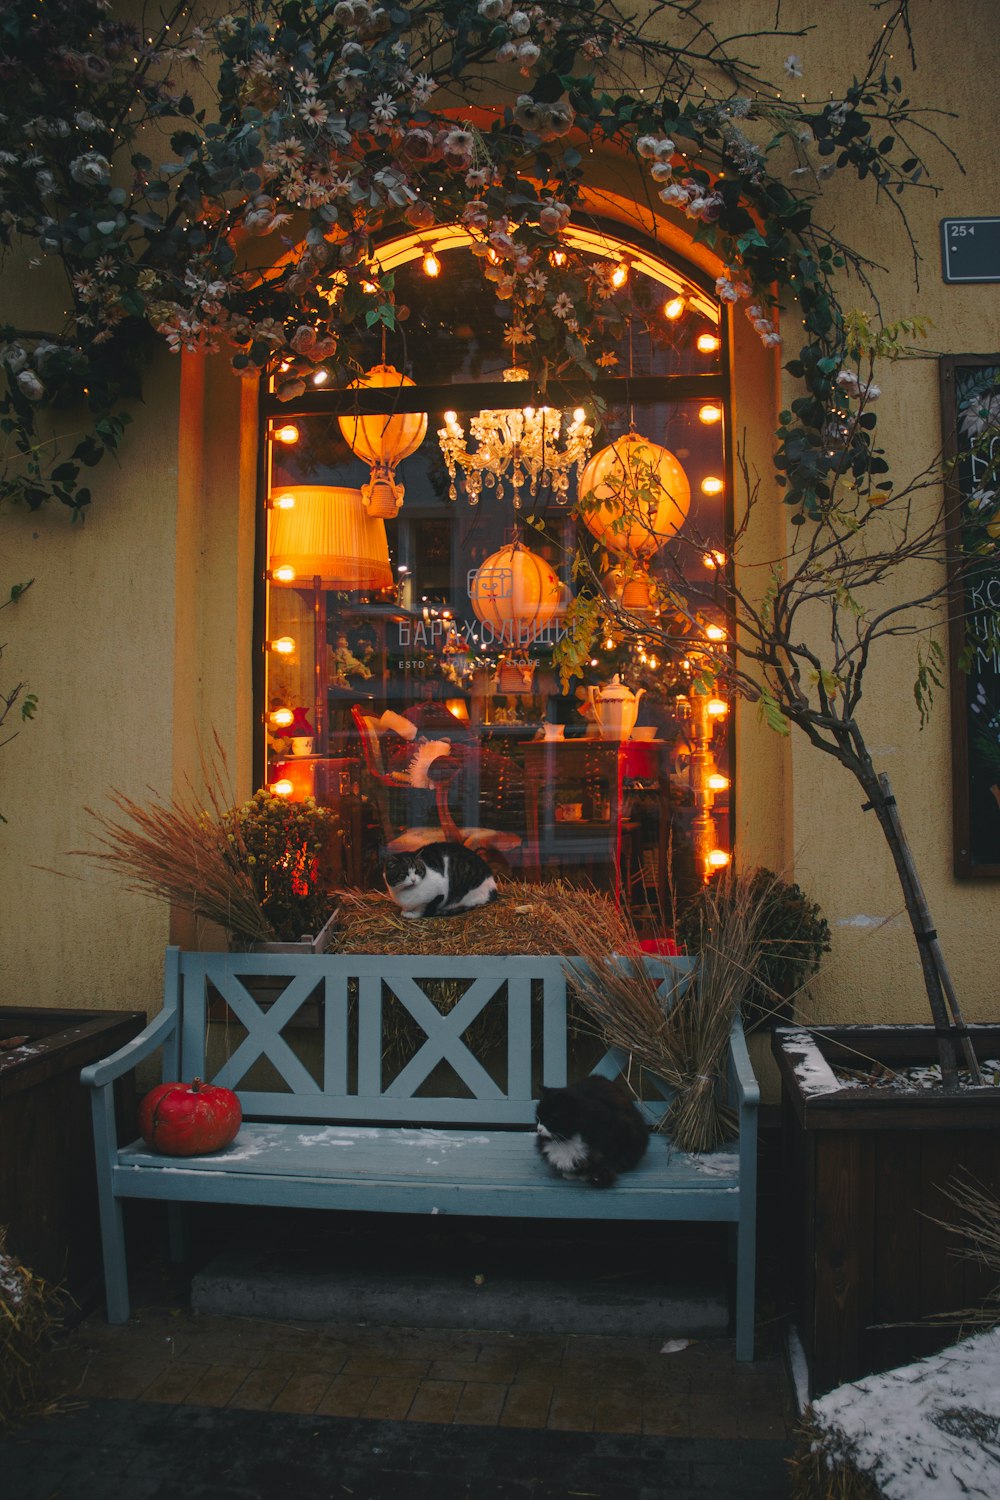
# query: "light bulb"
[[321, 377], [450, 418], [674, 308], [283, 574], [283, 501], [712, 485], [284, 645], [716, 708], [558, 258], [619, 275], [431, 264], [579, 415], [708, 343], [714, 559], [287, 434], [280, 717], [283, 788], [709, 413], [715, 633], [717, 782], [717, 859]]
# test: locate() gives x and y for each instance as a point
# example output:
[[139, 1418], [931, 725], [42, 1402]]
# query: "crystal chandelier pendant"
[[529, 446]]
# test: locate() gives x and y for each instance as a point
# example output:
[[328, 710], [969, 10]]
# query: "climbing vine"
[[146, 161]]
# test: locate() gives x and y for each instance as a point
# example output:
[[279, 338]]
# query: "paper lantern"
[[329, 535], [516, 593], [635, 496], [382, 441], [632, 588]]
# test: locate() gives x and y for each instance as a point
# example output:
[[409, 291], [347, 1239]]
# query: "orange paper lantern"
[[383, 440], [516, 593], [634, 496]]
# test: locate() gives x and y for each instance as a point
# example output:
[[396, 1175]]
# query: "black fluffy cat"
[[590, 1130], [439, 880]]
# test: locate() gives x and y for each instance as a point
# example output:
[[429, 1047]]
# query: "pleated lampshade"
[[329, 535]]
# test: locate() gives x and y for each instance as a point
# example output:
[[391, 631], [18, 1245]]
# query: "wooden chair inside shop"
[[388, 789]]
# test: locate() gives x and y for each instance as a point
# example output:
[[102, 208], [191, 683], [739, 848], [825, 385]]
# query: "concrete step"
[[313, 1283]]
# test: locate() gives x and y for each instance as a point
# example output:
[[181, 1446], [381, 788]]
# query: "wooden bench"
[[331, 1125]]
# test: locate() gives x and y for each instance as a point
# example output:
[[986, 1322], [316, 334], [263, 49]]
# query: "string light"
[[558, 258], [710, 413], [716, 708], [287, 434], [283, 646], [712, 485], [321, 377], [717, 859], [619, 275], [674, 309], [431, 264], [715, 633], [281, 502], [283, 574], [714, 559], [717, 782], [281, 718], [283, 788], [708, 343]]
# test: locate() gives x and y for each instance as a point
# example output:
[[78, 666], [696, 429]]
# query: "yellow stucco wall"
[[137, 633]]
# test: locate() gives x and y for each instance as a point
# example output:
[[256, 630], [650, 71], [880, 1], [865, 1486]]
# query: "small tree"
[[868, 562]]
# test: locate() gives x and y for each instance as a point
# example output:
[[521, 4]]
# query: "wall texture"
[[137, 633]]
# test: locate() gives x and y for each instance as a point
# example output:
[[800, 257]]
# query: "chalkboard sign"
[[970, 389], [970, 249]]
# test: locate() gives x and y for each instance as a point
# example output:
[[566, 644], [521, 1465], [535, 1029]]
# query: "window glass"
[[412, 671]]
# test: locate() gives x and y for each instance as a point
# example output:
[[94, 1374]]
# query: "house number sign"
[[970, 249]]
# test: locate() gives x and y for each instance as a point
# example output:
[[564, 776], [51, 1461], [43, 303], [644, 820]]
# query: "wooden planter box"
[[866, 1174], [48, 1186]]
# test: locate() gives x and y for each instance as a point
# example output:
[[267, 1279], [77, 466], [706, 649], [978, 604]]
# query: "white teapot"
[[615, 708]]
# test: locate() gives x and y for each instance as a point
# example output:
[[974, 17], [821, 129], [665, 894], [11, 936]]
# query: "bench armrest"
[[153, 1036], [742, 1079]]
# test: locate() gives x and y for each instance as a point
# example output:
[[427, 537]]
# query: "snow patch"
[[927, 1431], [811, 1069]]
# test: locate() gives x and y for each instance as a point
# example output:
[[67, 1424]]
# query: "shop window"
[[414, 611]]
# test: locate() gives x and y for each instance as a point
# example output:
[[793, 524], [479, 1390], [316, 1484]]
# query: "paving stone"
[[480, 1403], [346, 1396], [391, 1398], [435, 1401], [302, 1393], [217, 1385], [527, 1405]]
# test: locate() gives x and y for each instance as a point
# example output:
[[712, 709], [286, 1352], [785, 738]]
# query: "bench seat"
[[391, 1170]]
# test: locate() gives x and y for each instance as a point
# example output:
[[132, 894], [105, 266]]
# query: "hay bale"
[[519, 921], [29, 1316]]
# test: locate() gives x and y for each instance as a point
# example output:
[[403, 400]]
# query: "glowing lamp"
[[283, 787], [430, 263], [283, 501], [717, 859], [712, 485], [283, 646], [709, 413], [289, 433], [716, 708], [284, 574], [634, 495], [281, 718], [708, 343], [619, 275], [517, 593], [558, 258], [330, 536], [674, 308], [383, 441], [320, 377], [715, 633], [717, 782]]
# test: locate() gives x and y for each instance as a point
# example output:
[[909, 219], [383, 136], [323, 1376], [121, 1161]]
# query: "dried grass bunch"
[[520, 922], [683, 1036], [256, 870], [979, 1230], [817, 1473], [29, 1316]]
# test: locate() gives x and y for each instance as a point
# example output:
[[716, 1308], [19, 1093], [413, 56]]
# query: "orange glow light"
[[281, 502], [558, 258], [619, 275], [284, 645], [674, 309], [712, 485], [283, 788], [716, 708], [280, 717], [717, 782], [284, 574], [287, 434], [717, 859], [714, 559], [708, 343], [431, 264], [715, 633], [710, 412]]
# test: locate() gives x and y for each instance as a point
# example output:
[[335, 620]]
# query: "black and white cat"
[[439, 880], [590, 1130]]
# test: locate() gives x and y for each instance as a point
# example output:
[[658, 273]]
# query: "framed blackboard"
[[970, 400]]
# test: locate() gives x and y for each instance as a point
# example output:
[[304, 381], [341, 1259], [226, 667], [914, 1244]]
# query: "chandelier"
[[531, 445]]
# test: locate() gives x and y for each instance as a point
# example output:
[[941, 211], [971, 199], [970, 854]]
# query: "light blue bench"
[[331, 1127]]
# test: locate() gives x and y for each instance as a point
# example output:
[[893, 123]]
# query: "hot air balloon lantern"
[[382, 441], [516, 593], [634, 496]]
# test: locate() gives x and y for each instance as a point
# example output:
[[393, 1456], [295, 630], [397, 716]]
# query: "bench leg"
[[746, 1268], [112, 1222]]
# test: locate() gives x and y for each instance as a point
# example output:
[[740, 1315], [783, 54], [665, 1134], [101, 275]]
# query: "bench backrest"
[[336, 1064]]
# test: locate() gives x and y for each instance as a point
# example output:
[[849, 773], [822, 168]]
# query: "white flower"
[[527, 55], [562, 306], [519, 23], [422, 89], [793, 65], [507, 52], [314, 112], [29, 385], [383, 109], [307, 81], [91, 169], [848, 382], [490, 10], [676, 194], [725, 290]]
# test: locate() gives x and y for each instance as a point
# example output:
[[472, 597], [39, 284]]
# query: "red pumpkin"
[[189, 1119]]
